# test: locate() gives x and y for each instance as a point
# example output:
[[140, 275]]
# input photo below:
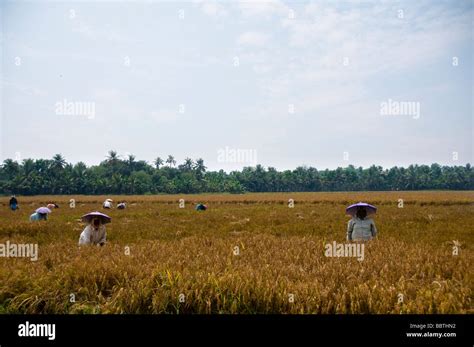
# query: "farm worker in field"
[[13, 203], [52, 205], [201, 207], [107, 204], [121, 205], [360, 227], [94, 233], [40, 214]]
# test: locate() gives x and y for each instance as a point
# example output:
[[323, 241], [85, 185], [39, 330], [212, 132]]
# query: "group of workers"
[[108, 204], [94, 232], [359, 228]]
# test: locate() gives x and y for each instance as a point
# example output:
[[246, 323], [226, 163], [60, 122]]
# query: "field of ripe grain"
[[247, 253]]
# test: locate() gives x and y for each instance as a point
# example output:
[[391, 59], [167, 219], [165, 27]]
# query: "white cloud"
[[212, 8], [311, 74], [107, 94], [374, 39], [102, 33], [23, 89], [164, 116], [252, 38], [262, 8], [84, 29]]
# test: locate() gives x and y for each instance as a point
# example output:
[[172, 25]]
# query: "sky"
[[239, 83]]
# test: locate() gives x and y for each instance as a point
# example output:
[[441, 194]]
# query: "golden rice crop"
[[247, 253]]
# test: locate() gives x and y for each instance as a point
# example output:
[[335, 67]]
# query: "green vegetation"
[[129, 176]]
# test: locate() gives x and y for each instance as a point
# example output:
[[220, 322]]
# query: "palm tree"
[[28, 166], [200, 168], [11, 168], [57, 165], [58, 162], [113, 157], [131, 162], [188, 164], [57, 176], [158, 162], [79, 177], [170, 161], [117, 183]]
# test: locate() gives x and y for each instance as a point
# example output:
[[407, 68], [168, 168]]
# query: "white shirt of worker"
[[107, 204], [361, 229], [92, 236]]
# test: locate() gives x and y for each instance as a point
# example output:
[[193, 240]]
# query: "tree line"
[[116, 175]]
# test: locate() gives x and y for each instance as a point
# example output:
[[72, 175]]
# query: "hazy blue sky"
[[300, 82]]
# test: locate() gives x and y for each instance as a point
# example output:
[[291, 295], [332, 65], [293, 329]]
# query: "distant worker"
[[201, 207], [121, 205], [40, 214], [107, 204], [94, 233], [13, 203], [361, 228]]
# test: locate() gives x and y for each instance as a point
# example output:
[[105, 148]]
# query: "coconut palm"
[[171, 161], [112, 157], [158, 162], [58, 162]]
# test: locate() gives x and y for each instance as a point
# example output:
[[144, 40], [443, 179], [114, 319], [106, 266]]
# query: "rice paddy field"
[[249, 253]]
